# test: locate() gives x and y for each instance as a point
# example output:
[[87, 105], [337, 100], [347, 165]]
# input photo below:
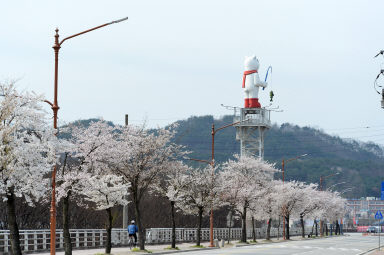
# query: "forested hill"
[[361, 165]]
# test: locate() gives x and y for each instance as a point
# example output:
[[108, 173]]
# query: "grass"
[[197, 246], [170, 248], [253, 241], [138, 250]]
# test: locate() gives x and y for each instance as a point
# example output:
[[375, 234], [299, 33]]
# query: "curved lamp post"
[[212, 163], [282, 172], [55, 108], [321, 189]]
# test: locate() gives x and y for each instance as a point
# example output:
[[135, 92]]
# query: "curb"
[[189, 250], [283, 241], [365, 252]]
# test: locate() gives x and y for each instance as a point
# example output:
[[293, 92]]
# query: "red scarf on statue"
[[245, 75]]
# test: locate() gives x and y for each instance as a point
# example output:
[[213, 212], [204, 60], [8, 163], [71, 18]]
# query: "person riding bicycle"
[[132, 230]]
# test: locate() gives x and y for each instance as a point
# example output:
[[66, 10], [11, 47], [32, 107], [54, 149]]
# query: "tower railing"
[[254, 117]]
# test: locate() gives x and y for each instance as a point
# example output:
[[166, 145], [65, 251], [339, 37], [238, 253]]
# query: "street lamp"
[[346, 190], [212, 163], [330, 188], [55, 108], [321, 189], [324, 177], [282, 171]]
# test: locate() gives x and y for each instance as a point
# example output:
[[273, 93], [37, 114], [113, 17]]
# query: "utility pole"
[[125, 208]]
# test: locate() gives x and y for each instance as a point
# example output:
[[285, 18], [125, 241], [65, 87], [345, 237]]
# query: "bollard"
[[222, 243], [216, 242]]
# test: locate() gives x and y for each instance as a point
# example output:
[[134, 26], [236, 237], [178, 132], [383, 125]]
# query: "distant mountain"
[[361, 165]]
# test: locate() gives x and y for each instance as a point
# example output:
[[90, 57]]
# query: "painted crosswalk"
[[302, 248]]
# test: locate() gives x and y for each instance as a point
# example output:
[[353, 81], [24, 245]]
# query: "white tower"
[[251, 130]]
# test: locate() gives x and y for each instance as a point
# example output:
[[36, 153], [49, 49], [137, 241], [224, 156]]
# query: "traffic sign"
[[378, 215]]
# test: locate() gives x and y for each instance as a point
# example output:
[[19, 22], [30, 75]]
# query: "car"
[[373, 229]]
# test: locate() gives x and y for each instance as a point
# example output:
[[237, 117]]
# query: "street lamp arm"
[[48, 102], [323, 177], [291, 159], [201, 160], [89, 30], [229, 125]]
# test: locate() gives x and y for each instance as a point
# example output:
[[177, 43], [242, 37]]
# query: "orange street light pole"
[[55, 108], [212, 163], [321, 189], [282, 172]]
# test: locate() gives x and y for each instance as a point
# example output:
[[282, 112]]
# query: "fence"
[[39, 240]]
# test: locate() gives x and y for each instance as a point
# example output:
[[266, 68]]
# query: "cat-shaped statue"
[[252, 82]]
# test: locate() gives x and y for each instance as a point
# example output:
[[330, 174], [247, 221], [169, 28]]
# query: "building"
[[363, 210]]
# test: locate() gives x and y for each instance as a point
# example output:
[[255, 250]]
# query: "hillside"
[[361, 165]]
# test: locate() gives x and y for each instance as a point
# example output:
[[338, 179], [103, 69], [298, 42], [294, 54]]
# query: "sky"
[[175, 59]]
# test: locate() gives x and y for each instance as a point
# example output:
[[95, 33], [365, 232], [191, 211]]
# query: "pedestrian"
[[132, 230]]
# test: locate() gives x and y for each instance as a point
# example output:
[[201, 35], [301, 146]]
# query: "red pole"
[[213, 174], [55, 109], [282, 168]]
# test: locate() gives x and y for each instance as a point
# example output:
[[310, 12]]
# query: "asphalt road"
[[350, 244]]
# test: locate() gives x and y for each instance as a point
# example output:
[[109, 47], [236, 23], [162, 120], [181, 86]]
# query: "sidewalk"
[[161, 248], [381, 252]]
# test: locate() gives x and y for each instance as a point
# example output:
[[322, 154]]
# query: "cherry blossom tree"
[[289, 199], [332, 207], [105, 191], [243, 182], [170, 186], [266, 207], [140, 157], [309, 203], [197, 194], [27, 152], [82, 158]]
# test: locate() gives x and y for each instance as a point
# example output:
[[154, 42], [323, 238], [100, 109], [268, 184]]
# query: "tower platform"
[[251, 130]]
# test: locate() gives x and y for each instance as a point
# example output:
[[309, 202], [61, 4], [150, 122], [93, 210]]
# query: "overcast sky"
[[174, 59]]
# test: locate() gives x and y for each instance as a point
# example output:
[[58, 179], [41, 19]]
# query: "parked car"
[[373, 229]]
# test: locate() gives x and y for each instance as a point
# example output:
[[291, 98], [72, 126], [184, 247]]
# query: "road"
[[350, 244]]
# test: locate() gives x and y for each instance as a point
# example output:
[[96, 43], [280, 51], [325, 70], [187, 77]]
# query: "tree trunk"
[[244, 225], [66, 234], [337, 232], [12, 224], [173, 245], [230, 227], [287, 227], [269, 229], [108, 245], [302, 226], [199, 226], [316, 228], [253, 229], [138, 220]]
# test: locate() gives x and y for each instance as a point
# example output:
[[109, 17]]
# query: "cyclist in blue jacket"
[[132, 230]]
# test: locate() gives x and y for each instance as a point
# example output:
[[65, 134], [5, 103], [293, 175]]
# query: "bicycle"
[[131, 242]]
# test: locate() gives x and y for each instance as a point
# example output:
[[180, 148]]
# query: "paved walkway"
[[381, 252], [162, 248]]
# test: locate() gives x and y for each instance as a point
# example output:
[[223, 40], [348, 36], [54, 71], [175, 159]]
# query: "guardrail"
[[39, 240]]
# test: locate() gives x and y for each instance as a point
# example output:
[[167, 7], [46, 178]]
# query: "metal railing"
[[39, 240], [253, 117]]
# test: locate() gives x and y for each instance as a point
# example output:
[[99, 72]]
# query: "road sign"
[[378, 215]]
